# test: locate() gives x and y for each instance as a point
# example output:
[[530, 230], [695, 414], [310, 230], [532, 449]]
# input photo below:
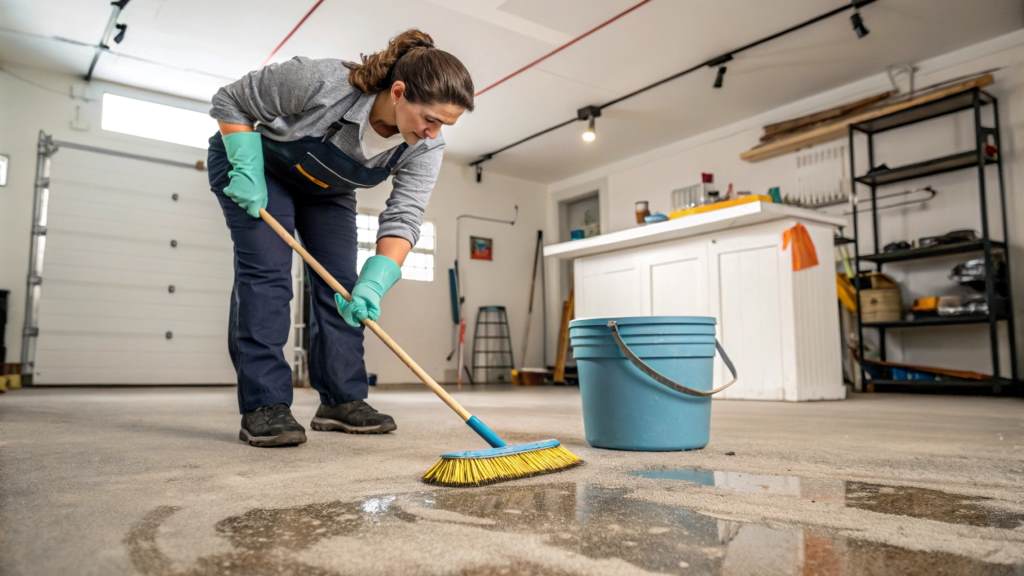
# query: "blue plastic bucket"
[[646, 381]]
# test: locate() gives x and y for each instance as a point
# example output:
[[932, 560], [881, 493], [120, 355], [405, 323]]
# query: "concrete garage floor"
[[121, 481]]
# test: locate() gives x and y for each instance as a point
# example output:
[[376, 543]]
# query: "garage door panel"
[[98, 198], [156, 359], [100, 248], [79, 275], [187, 295], [105, 308], [63, 342], [81, 264], [132, 321], [130, 227], [79, 312]]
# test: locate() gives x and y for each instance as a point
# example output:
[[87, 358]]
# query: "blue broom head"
[[503, 451]]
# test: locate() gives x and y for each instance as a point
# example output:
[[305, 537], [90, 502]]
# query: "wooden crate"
[[882, 301]]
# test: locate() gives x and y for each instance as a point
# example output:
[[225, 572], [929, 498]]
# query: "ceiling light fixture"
[[858, 24], [722, 68], [121, 29], [720, 77], [589, 113], [590, 134], [115, 11], [480, 168]]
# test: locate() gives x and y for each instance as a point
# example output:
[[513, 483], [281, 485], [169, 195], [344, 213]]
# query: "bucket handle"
[[643, 367]]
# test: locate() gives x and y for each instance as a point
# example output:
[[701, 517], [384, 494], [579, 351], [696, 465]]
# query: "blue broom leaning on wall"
[[498, 463]]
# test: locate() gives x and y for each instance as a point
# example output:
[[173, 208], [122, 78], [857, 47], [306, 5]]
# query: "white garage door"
[[137, 273]]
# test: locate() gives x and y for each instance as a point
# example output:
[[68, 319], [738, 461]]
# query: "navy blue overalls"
[[311, 187]]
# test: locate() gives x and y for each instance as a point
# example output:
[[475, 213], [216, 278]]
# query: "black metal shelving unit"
[[974, 100]]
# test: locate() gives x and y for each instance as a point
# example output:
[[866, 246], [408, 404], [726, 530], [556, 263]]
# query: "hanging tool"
[[472, 468], [924, 194], [532, 284]]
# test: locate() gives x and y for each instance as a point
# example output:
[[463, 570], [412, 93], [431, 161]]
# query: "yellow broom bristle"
[[481, 471]]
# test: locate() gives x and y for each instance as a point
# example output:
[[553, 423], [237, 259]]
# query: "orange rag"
[[804, 255]]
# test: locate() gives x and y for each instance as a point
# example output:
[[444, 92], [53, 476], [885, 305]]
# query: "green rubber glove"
[[248, 187], [379, 274]]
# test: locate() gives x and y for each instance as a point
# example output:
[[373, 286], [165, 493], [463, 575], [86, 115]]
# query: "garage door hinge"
[[39, 230], [31, 332], [35, 280]]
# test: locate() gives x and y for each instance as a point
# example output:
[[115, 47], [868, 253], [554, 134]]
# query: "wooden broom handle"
[[337, 287]]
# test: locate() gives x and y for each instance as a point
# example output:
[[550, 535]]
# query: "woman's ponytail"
[[430, 75]]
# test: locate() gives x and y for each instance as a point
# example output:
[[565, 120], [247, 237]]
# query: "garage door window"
[[156, 121]]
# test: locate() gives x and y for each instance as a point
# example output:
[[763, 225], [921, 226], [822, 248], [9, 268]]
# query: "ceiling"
[[191, 47]]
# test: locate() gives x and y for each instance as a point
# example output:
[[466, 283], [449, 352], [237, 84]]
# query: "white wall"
[[416, 314], [653, 175]]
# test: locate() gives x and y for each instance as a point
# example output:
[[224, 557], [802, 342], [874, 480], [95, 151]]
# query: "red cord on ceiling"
[[297, 26], [501, 80], [564, 46]]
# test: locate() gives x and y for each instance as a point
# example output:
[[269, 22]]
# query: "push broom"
[[498, 463]]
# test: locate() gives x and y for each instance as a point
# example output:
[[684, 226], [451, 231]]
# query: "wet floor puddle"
[[896, 500], [588, 520]]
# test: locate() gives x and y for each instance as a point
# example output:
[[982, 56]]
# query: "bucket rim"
[[641, 320]]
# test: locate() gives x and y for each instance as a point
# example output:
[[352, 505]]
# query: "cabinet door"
[[746, 291], [611, 285], [679, 279]]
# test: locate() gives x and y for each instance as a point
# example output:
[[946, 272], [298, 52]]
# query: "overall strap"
[[396, 156]]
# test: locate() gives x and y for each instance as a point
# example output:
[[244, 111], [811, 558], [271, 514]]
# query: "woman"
[[300, 138]]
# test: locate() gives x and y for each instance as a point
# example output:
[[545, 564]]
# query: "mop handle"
[[337, 287]]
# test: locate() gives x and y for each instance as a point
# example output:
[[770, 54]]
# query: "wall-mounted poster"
[[480, 248]]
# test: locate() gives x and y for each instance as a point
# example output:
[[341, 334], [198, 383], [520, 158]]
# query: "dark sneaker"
[[356, 417], [270, 426]]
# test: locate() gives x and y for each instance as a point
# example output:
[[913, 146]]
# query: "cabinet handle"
[[171, 289], [174, 197], [174, 243], [168, 335]]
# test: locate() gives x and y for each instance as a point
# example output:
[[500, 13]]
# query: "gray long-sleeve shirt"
[[303, 97]]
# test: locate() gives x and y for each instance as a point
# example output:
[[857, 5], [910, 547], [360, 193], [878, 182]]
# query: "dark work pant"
[[260, 315]]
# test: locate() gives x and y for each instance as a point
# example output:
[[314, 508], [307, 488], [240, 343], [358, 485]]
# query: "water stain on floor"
[[884, 499], [589, 520]]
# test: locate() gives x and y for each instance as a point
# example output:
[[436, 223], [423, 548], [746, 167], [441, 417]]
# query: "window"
[[157, 121], [419, 264]]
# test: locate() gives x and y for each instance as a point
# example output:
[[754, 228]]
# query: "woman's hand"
[[248, 186], [378, 275]]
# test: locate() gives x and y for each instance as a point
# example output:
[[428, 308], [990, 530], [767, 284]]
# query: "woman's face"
[[418, 121]]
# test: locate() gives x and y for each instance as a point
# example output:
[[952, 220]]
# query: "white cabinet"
[[677, 272], [666, 280], [611, 283], [779, 326], [746, 275]]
